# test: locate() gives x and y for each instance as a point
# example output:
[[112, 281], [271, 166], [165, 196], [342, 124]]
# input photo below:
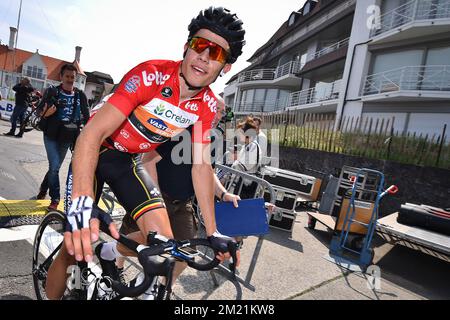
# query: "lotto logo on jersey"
[[120, 147], [125, 134], [191, 106], [144, 146], [171, 114], [212, 103], [156, 77]]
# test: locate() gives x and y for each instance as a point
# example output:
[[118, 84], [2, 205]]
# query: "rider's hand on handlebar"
[[226, 256], [220, 243], [82, 227]]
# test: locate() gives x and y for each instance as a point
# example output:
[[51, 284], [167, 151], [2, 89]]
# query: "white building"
[[43, 71], [365, 58], [98, 84]]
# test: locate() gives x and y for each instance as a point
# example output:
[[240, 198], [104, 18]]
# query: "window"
[[436, 74], [229, 100], [263, 100], [291, 19], [35, 72], [438, 56], [38, 85], [271, 100], [390, 61], [11, 80], [306, 8]]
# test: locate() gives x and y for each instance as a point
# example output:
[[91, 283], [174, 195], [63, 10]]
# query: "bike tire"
[[206, 260], [43, 247]]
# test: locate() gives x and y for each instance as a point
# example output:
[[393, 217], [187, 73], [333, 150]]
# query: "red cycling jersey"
[[149, 96]]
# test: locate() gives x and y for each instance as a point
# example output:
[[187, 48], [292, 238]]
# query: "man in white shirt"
[[261, 138], [249, 156]]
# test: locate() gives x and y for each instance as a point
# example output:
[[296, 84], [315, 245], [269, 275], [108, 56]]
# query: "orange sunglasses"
[[216, 52]]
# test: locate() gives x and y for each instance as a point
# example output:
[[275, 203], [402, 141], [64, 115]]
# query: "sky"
[[118, 35]]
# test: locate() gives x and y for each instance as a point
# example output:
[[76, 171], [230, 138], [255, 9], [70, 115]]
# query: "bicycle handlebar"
[[151, 267], [158, 245]]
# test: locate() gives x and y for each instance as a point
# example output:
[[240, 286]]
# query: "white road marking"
[[18, 233], [7, 175]]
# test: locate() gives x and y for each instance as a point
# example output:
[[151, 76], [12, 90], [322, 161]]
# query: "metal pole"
[[441, 144], [390, 140], [15, 44], [18, 23]]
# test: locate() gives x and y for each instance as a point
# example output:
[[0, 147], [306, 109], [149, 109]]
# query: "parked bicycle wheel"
[[34, 121], [47, 243]]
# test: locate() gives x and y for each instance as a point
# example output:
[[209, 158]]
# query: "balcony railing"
[[257, 75], [431, 78], [292, 67], [414, 10], [334, 47], [317, 94]]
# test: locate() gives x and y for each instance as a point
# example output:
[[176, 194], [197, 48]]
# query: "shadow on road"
[[283, 238], [416, 271], [410, 269]]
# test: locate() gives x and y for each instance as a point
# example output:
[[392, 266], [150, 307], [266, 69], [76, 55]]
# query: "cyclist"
[[171, 170], [154, 101]]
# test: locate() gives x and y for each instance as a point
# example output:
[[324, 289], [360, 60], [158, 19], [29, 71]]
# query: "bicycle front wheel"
[[47, 243]]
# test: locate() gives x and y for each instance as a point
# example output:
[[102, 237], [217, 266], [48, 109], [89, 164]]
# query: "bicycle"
[[157, 259]]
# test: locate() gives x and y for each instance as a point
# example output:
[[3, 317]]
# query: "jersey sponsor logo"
[[120, 147], [158, 124], [159, 110], [144, 146], [191, 106], [171, 114], [151, 136], [133, 84], [156, 138], [125, 134], [167, 92], [212, 103], [158, 77]]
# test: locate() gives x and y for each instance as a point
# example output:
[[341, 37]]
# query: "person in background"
[[23, 91], [261, 138], [62, 106], [248, 157], [33, 102]]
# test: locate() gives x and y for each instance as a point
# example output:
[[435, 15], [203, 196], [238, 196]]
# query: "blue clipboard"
[[250, 219]]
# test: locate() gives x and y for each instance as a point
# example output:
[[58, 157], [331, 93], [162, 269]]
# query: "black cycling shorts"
[[127, 178]]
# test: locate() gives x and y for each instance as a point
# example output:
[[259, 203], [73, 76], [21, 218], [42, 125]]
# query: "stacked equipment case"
[[290, 188]]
